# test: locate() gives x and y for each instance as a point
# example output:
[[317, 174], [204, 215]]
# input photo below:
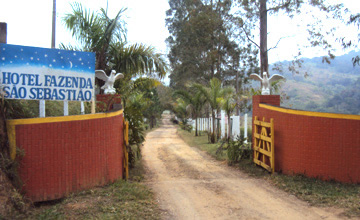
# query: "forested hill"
[[331, 87]]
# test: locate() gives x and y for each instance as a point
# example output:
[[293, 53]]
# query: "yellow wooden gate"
[[264, 144]]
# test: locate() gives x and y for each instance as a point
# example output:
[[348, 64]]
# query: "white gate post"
[[82, 107], [245, 128], [42, 108], [222, 127], [235, 126], [66, 107]]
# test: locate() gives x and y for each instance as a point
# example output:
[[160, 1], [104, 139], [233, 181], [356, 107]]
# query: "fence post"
[[272, 145], [245, 129], [222, 126]]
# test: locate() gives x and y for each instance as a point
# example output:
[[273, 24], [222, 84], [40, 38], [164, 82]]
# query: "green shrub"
[[185, 127], [238, 150]]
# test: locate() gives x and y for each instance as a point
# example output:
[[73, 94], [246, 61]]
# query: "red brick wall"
[[327, 148], [65, 157]]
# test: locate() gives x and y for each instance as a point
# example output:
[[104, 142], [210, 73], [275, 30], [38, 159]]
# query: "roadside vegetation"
[[143, 68], [120, 200], [314, 191]]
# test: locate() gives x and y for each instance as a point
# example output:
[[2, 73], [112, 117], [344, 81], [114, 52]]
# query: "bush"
[[238, 150], [186, 127]]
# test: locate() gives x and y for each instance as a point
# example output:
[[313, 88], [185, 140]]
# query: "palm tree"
[[107, 38], [195, 104], [95, 32], [228, 104], [180, 110], [213, 95], [137, 59]]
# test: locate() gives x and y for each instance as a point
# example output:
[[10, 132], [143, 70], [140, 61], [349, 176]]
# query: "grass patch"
[[314, 191], [321, 193], [120, 200]]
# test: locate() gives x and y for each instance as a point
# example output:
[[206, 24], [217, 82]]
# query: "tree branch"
[[286, 4], [247, 36], [276, 44]]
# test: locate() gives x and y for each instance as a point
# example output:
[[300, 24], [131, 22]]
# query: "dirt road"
[[191, 185]]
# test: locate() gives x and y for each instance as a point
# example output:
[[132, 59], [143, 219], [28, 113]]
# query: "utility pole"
[[3, 132], [53, 25], [3, 32]]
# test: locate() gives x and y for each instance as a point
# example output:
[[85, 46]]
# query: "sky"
[[42, 57], [29, 24]]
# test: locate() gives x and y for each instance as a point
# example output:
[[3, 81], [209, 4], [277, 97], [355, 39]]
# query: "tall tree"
[[200, 40], [256, 11]]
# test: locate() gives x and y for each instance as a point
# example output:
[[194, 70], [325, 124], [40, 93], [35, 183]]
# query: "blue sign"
[[46, 74]]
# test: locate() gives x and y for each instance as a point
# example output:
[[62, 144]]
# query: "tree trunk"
[[213, 130], [237, 93], [196, 126], [264, 62], [154, 122], [229, 126], [3, 132]]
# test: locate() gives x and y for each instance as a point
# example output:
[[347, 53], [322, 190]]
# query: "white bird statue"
[[266, 82], [108, 87]]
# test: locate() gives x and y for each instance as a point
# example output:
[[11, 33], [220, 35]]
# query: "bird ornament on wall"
[[108, 87], [265, 81]]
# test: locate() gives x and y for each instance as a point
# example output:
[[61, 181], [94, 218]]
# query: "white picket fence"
[[205, 124]]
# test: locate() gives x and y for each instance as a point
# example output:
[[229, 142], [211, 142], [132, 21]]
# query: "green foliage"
[[165, 97], [95, 31], [106, 37], [237, 150], [133, 113], [17, 109], [256, 12], [213, 95], [136, 60], [10, 167], [328, 88], [141, 100], [348, 101], [119, 200], [195, 102], [322, 193], [185, 126], [202, 43]]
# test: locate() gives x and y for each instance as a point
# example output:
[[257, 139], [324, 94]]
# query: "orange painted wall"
[[65, 157], [322, 147]]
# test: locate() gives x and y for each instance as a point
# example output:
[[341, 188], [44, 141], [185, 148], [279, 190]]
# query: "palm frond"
[[138, 59]]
